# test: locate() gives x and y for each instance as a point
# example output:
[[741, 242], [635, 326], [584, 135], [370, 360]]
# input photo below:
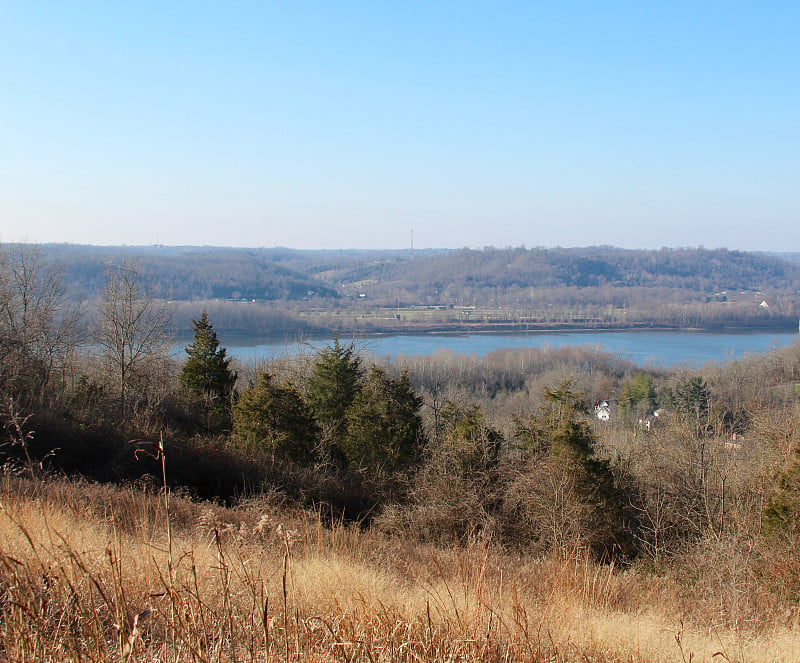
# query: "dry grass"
[[92, 573]]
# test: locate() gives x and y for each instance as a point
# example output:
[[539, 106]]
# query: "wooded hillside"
[[432, 276], [295, 291]]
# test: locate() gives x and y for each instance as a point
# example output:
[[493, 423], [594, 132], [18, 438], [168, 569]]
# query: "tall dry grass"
[[92, 573]]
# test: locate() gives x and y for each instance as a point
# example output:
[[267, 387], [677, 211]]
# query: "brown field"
[[93, 573]]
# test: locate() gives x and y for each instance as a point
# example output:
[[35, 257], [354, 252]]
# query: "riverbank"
[[549, 328], [291, 320], [302, 334]]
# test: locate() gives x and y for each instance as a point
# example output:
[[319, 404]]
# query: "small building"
[[602, 411]]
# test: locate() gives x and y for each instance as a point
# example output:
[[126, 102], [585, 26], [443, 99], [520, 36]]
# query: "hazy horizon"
[[401, 249], [316, 126]]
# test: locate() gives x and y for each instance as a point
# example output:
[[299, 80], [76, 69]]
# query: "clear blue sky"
[[338, 124]]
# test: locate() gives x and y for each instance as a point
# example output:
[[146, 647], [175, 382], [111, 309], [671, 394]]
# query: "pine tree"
[[781, 515], [384, 429], [469, 444], [336, 378], [637, 400], [207, 378], [567, 495], [274, 417], [694, 402]]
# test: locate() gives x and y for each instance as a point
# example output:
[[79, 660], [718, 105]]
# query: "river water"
[[656, 348]]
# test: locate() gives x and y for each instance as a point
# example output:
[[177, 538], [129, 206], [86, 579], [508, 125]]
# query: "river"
[[656, 348]]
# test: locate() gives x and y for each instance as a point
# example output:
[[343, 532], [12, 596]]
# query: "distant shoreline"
[[499, 328]]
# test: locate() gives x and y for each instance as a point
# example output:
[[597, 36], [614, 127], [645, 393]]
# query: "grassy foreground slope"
[[95, 573]]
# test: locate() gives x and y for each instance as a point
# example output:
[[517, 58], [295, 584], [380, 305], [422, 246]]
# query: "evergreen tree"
[[383, 424], [336, 377], [567, 495], [781, 514], [469, 445], [207, 378], [274, 417], [637, 399], [455, 491], [693, 400]]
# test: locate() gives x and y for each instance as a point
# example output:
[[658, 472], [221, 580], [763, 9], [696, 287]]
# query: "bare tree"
[[133, 326], [38, 324]]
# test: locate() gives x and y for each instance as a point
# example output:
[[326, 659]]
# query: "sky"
[[380, 124]]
